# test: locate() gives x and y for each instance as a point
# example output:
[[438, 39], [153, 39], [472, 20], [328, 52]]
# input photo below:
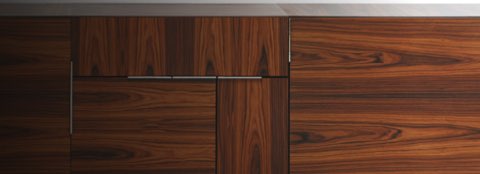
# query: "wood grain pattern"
[[385, 95], [183, 46], [252, 120], [34, 90], [179, 46], [241, 46], [145, 51], [142, 126], [102, 45]]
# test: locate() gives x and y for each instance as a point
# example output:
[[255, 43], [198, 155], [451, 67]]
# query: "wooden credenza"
[[218, 95]]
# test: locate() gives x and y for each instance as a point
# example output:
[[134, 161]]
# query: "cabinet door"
[[385, 95], [143, 126], [100, 46], [252, 126], [182, 46], [34, 95]]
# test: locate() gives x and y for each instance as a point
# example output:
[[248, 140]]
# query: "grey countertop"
[[326, 10]]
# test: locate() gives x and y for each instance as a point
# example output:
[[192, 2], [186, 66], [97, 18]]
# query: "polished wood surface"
[[183, 46], [101, 46], [34, 90], [385, 95], [143, 126], [242, 46], [145, 46], [252, 121]]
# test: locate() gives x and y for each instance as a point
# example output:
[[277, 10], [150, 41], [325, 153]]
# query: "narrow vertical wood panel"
[[183, 46], [101, 46], [141, 126], [252, 125], [385, 95], [34, 95]]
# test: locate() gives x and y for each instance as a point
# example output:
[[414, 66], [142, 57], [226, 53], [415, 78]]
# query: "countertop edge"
[[297, 10]]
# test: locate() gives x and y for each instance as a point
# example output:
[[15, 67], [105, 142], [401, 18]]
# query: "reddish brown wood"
[[385, 95], [142, 126], [183, 46], [252, 120], [34, 95], [102, 45], [241, 46], [179, 46], [145, 51]]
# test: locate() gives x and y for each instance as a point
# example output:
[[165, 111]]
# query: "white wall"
[[244, 1]]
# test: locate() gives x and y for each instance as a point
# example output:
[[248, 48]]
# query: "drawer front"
[[182, 46], [385, 95], [143, 126]]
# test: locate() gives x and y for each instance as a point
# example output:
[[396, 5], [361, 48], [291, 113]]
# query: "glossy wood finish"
[[146, 46], [252, 120], [144, 126], [34, 90], [101, 46], [241, 46], [385, 95], [183, 46]]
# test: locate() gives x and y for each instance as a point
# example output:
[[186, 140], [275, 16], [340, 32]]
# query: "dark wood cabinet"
[[385, 95], [168, 126], [144, 126], [252, 120], [182, 46], [212, 95], [34, 95]]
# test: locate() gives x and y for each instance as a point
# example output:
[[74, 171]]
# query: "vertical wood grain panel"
[[101, 46], [262, 46], [385, 95], [214, 45], [241, 46], [183, 46], [142, 126], [252, 119], [179, 46], [34, 90], [145, 46]]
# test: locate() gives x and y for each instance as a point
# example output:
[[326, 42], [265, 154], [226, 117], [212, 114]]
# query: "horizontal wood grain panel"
[[252, 126], [143, 126], [385, 95], [183, 46], [34, 90]]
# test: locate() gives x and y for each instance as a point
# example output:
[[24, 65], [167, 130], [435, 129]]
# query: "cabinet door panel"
[[145, 51], [183, 46], [385, 95], [101, 46], [141, 126], [34, 95], [252, 126], [241, 46]]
